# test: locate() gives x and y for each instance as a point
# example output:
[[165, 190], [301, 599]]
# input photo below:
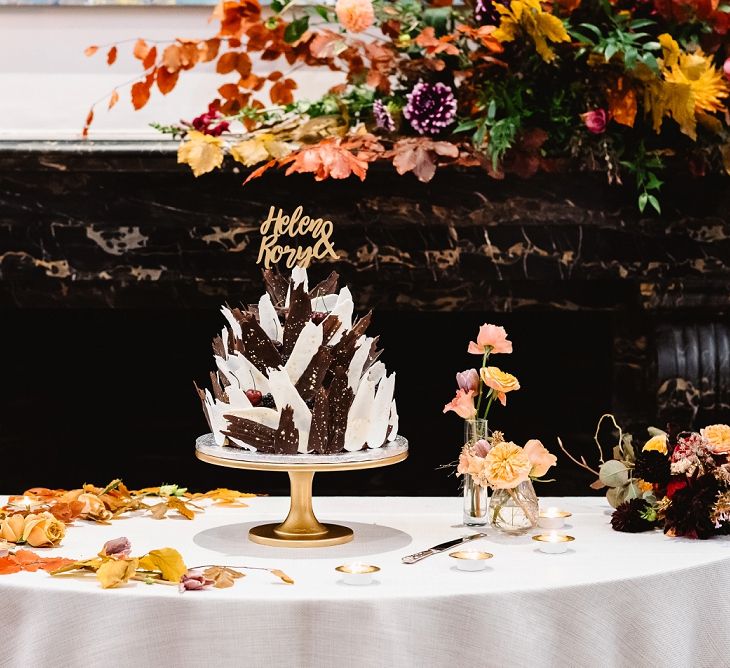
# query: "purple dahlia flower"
[[485, 12], [431, 108], [383, 118]]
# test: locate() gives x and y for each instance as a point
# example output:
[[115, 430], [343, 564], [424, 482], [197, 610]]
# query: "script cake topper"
[[277, 225]]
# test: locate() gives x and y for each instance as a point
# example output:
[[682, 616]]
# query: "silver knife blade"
[[441, 547]]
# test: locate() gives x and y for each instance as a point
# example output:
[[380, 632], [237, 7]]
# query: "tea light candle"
[[26, 503], [553, 543], [357, 574], [553, 518], [471, 560]]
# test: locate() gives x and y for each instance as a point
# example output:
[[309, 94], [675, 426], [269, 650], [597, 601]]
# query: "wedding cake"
[[296, 374]]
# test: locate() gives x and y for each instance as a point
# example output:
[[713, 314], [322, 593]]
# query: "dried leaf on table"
[[113, 572], [167, 561], [281, 575], [176, 503], [223, 496], [222, 576], [25, 560]]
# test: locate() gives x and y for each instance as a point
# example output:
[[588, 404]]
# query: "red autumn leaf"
[[325, 44], [89, 120], [171, 58], [111, 55], [150, 58], [328, 159], [281, 91], [166, 80], [141, 49], [9, 565], [90, 50], [229, 91], [243, 65], [252, 82], [433, 45], [209, 49], [227, 62], [66, 512], [275, 75], [140, 94], [256, 173]]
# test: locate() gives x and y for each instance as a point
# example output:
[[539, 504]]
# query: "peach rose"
[[500, 382], [43, 530], [658, 443], [355, 15], [506, 466], [11, 528], [717, 437], [540, 459], [492, 337], [469, 464], [462, 404]]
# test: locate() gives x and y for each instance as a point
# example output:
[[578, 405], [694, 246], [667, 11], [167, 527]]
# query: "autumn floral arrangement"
[[488, 460], [679, 481], [511, 86]]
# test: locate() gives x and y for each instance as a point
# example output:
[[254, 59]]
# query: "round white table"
[[612, 600]]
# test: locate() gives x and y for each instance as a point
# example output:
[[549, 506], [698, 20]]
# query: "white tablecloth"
[[613, 600]]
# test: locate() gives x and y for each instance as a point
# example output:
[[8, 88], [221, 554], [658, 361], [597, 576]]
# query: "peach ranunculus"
[[492, 337], [462, 404], [540, 458], [507, 465], [41, 530], [717, 437], [469, 464], [500, 382], [657, 443], [355, 15]]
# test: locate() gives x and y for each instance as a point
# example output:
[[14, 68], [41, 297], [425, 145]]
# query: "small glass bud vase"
[[514, 511], [476, 497]]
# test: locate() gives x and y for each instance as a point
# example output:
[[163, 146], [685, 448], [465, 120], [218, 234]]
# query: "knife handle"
[[413, 558]]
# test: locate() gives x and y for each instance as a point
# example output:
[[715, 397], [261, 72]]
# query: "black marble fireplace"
[[114, 261]]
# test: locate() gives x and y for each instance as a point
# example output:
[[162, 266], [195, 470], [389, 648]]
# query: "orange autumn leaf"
[[111, 55], [433, 45], [326, 160], [227, 62], [150, 58], [256, 173], [622, 103], [209, 49], [229, 91], [281, 91], [113, 99], [140, 49], [90, 50], [25, 560], [140, 94], [89, 120], [171, 58], [166, 80]]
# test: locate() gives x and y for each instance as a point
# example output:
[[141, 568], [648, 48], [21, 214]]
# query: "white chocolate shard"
[[218, 423], [393, 422], [376, 371], [298, 277], [343, 310], [235, 325], [324, 303], [269, 320], [304, 349], [354, 373], [380, 415], [284, 394], [358, 418], [247, 375], [237, 398]]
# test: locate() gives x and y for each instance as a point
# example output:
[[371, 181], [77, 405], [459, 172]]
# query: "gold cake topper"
[[297, 225]]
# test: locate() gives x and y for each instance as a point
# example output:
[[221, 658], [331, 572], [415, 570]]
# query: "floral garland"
[[511, 86]]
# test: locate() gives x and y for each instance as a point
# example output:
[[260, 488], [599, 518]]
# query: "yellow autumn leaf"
[[89, 565], [113, 572], [202, 152], [259, 149], [529, 17], [670, 50], [175, 503], [167, 561], [282, 576], [224, 496], [222, 576]]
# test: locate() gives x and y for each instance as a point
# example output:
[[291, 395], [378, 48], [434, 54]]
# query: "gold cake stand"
[[301, 528]]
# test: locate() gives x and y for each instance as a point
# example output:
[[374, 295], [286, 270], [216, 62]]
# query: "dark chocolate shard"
[[329, 326], [218, 391], [277, 287], [326, 287], [201, 394], [298, 315], [341, 397], [361, 326], [311, 380], [218, 347], [319, 430], [373, 355], [251, 433], [286, 440], [223, 379], [257, 347]]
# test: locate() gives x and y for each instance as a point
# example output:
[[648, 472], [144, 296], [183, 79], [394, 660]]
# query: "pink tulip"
[[468, 380]]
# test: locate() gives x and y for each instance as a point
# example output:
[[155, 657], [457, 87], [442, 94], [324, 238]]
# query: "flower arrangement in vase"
[[488, 460]]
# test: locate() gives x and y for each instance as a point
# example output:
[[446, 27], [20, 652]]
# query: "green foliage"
[[644, 167], [296, 29]]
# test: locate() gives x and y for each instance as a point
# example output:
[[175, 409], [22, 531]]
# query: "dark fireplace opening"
[[90, 395]]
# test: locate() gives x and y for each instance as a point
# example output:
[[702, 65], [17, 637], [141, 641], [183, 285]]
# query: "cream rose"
[[718, 438], [506, 465], [11, 528], [499, 381], [43, 530]]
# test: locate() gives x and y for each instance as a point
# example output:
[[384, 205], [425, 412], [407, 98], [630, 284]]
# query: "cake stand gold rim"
[[314, 467], [264, 534]]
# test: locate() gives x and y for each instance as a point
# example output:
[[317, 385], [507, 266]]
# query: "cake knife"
[[441, 547]]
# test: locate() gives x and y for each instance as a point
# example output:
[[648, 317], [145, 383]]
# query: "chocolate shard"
[[277, 287], [201, 394], [319, 430], [311, 380], [223, 380], [373, 355], [341, 397], [257, 347], [218, 347], [329, 326], [251, 433], [361, 326], [299, 314], [218, 391], [286, 440], [326, 287]]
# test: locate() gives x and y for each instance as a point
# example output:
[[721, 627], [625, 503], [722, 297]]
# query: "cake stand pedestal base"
[[301, 528]]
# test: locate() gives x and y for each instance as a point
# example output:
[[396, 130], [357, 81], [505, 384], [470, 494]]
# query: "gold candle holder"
[[357, 574], [471, 560], [553, 518], [553, 543]]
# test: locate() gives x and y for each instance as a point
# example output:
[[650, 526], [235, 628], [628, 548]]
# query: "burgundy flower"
[[431, 108], [117, 547], [383, 118], [595, 121], [209, 123], [194, 580]]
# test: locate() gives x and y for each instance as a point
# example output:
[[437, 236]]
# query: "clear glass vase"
[[476, 497], [516, 510]]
